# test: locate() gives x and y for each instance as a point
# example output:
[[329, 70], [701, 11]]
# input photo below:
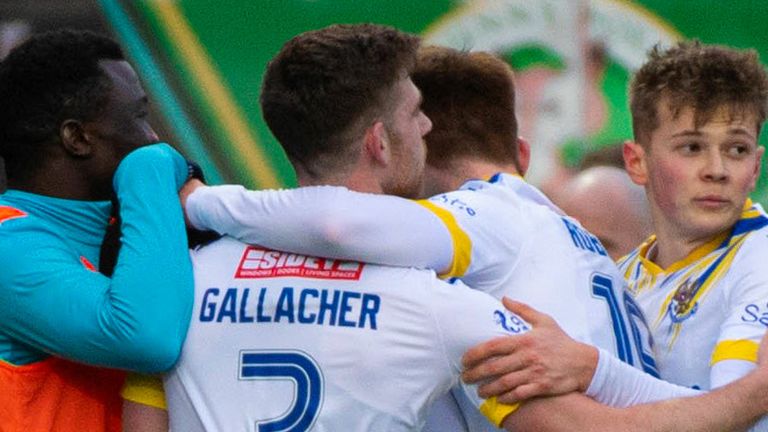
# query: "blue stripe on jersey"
[[746, 225], [708, 272]]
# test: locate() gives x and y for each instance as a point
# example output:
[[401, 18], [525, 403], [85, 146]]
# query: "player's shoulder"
[[753, 252], [21, 226], [28, 242], [478, 199], [10, 212]]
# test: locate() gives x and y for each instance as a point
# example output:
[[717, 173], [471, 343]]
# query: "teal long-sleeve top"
[[53, 302]]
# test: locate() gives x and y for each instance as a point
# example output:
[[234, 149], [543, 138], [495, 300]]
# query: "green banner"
[[203, 61]]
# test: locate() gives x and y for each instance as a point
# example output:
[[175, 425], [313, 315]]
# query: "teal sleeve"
[[138, 319]]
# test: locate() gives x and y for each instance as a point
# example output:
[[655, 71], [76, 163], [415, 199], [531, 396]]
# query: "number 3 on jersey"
[[602, 287], [296, 366]]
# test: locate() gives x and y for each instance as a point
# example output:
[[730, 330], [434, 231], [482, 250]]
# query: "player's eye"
[[690, 148], [738, 150]]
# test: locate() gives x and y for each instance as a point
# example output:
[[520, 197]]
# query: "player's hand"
[[190, 186], [542, 362]]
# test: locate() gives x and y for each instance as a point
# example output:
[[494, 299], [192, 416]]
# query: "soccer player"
[[73, 133], [495, 234], [287, 342], [697, 112]]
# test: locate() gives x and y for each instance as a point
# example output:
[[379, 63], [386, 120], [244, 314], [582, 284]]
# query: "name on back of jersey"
[[290, 305], [582, 239]]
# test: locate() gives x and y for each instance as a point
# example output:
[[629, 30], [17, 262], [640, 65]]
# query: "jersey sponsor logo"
[[509, 322], [455, 203], [87, 264], [755, 314], [258, 262], [7, 213], [682, 305]]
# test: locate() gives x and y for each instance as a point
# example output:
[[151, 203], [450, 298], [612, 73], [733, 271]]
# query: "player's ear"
[[376, 144], [635, 162], [74, 139], [523, 155], [758, 164]]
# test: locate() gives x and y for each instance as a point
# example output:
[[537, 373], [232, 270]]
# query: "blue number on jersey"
[[636, 315], [602, 286], [296, 366]]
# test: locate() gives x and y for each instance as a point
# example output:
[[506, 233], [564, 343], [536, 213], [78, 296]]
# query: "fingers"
[[492, 368], [531, 315], [493, 348], [504, 385], [522, 393]]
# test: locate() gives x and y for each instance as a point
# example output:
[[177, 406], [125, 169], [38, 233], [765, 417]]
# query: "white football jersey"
[[507, 239], [711, 306], [510, 240], [281, 341]]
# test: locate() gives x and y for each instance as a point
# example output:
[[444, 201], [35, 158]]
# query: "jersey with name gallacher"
[[282, 341], [711, 306]]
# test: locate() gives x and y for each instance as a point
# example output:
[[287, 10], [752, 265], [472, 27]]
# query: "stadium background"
[[203, 60]]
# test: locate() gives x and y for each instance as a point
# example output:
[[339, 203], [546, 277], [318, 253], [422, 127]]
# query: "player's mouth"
[[712, 202]]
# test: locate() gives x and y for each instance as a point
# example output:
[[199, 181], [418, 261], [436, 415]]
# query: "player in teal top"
[[73, 109], [54, 302]]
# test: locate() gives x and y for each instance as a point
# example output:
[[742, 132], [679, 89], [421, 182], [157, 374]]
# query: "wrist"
[[589, 357], [194, 171]]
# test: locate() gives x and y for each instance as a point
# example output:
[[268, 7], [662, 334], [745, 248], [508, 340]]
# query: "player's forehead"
[[125, 86], [406, 95], [725, 119]]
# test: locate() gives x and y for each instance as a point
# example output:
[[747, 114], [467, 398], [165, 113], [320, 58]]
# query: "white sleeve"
[[463, 318], [620, 385], [727, 371], [326, 221], [760, 426], [746, 288]]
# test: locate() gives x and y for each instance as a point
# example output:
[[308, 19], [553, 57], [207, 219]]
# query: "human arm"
[[730, 408], [327, 221], [143, 418], [579, 412], [546, 362], [135, 320], [744, 293], [144, 407]]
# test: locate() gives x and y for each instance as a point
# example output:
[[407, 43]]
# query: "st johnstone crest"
[[682, 305]]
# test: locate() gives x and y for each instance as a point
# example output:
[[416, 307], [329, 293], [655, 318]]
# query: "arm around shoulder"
[[326, 221]]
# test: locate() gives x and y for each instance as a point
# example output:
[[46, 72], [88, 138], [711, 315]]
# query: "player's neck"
[[354, 181], [440, 180], [480, 169], [672, 247], [56, 183]]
